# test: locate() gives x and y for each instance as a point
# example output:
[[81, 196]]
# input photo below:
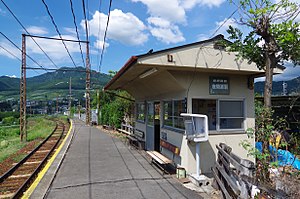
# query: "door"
[[150, 127], [157, 126]]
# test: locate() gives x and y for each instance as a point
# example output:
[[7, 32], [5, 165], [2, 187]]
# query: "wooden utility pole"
[[70, 96], [23, 133], [88, 85]]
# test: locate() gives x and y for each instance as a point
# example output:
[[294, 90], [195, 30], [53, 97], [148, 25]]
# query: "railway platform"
[[96, 165]]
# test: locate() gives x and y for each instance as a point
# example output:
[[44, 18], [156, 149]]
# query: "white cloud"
[[222, 26], [289, 73], [11, 76], [157, 21], [123, 27], [189, 4], [170, 10], [9, 48], [99, 44], [2, 12], [70, 30], [166, 16], [37, 30], [164, 31], [55, 49]]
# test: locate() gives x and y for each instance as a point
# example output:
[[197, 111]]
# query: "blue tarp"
[[284, 157]]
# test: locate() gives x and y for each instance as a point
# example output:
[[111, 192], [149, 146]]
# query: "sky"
[[135, 27]]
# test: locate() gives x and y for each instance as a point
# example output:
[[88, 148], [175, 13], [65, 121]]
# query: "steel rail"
[[20, 191], [14, 168]]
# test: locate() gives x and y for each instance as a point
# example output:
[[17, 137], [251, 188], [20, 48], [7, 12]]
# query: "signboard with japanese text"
[[218, 85]]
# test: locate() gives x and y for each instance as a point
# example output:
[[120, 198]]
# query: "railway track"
[[16, 180]]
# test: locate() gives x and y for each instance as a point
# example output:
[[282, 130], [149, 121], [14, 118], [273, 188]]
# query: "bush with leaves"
[[113, 107]]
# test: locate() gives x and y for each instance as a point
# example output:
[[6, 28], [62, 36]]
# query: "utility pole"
[[56, 104], [23, 133], [88, 85], [70, 97]]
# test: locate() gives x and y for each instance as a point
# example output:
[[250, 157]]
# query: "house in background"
[[199, 78]]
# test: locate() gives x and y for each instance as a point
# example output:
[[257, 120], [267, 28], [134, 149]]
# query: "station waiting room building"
[[199, 78]]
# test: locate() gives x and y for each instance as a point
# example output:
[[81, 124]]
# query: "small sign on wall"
[[218, 85]]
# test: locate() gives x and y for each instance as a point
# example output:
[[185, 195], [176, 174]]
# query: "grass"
[[37, 128]]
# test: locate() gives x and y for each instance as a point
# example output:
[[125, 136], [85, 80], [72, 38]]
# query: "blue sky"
[[135, 27]]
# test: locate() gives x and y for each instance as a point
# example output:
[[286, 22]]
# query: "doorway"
[[157, 111]]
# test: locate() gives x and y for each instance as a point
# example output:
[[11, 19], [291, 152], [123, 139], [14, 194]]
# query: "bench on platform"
[[126, 129], [162, 161], [137, 139]]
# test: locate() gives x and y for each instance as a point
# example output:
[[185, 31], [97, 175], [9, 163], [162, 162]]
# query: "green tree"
[[114, 106], [273, 37]]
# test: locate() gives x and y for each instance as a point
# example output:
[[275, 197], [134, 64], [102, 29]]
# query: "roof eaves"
[[217, 37], [127, 65]]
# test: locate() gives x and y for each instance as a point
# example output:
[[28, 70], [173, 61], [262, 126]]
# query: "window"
[[206, 107], [222, 114], [140, 112], [150, 113], [231, 114], [172, 111]]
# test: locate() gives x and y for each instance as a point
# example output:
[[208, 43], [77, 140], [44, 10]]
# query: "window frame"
[[218, 118], [172, 127], [138, 114]]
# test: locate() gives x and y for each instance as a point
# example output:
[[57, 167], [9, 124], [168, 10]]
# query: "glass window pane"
[[179, 107], [231, 109], [231, 123], [150, 113], [140, 111], [168, 113], [206, 107]]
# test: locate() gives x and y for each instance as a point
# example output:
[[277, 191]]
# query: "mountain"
[[52, 84], [293, 87]]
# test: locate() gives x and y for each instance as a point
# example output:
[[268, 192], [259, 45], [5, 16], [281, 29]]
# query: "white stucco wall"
[[200, 89]]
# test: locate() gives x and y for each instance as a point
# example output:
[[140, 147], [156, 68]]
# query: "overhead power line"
[[105, 34], [21, 50], [76, 28], [9, 52], [15, 56], [99, 30], [58, 32], [11, 12], [85, 21], [224, 22]]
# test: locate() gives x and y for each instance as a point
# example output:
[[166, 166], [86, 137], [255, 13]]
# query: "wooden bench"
[[162, 161], [137, 139], [126, 129]]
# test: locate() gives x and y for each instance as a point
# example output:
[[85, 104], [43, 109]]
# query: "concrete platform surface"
[[98, 165]]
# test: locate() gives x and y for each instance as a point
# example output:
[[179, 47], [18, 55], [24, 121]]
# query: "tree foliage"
[[272, 39], [273, 36], [113, 107]]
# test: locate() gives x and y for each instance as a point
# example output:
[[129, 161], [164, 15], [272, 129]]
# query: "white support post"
[[198, 172]]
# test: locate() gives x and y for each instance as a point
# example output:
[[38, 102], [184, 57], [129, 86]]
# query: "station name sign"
[[218, 85]]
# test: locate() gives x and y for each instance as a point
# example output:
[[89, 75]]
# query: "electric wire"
[[105, 34], [13, 55], [11, 12], [21, 50], [87, 35], [99, 30], [9, 52], [85, 21], [57, 30], [76, 28], [224, 22]]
